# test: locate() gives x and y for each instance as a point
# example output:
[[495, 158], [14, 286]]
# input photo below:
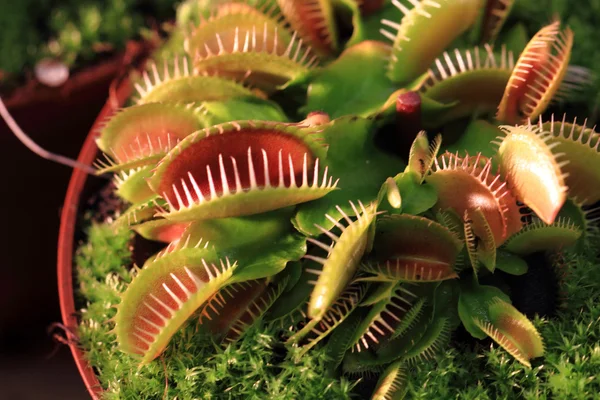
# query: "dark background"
[[33, 365]]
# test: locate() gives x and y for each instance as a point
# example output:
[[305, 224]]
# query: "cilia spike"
[[314, 21], [580, 145], [384, 318], [475, 78], [174, 82]]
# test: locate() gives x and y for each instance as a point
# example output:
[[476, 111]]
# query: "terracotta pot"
[[81, 187]]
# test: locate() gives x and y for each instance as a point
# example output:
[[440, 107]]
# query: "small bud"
[[317, 118]]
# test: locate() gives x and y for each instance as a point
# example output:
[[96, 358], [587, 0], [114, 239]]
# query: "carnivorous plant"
[[358, 184]]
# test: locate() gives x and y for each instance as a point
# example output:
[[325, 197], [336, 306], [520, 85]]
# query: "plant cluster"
[[287, 159]]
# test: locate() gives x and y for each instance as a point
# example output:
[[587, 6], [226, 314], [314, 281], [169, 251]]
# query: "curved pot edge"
[[66, 245]]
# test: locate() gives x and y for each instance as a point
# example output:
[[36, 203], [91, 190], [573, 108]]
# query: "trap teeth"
[[424, 32], [537, 75]]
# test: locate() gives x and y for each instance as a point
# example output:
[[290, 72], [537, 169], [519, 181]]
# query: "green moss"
[[193, 366], [257, 366], [569, 369]]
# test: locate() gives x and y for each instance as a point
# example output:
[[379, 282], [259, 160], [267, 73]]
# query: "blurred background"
[[58, 59], [57, 62]]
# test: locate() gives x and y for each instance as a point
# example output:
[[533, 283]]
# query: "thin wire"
[[27, 141]]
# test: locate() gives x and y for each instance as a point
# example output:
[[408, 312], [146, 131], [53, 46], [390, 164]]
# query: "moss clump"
[[193, 366]]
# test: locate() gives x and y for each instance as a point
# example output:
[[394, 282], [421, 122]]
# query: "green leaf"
[[510, 263], [267, 261], [435, 113], [476, 139], [515, 39], [416, 198], [261, 244], [336, 89], [380, 292], [446, 302], [292, 272], [473, 304], [351, 7], [360, 166], [341, 338], [218, 112], [295, 298]]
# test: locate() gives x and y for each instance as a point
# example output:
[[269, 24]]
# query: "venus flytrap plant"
[[266, 154], [254, 55], [314, 21], [173, 81], [226, 22], [537, 75], [416, 44], [392, 383], [475, 78], [244, 177], [541, 186], [580, 145], [141, 135], [146, 320]]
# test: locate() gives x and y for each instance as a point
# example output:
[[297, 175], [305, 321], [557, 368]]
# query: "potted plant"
[[285, 222]]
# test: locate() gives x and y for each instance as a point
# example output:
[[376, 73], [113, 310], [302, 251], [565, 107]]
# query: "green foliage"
[[19, 37], [568, 371], [252, 368]]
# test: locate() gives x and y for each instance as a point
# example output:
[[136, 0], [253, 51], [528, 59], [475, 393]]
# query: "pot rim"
[[66, 237]]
